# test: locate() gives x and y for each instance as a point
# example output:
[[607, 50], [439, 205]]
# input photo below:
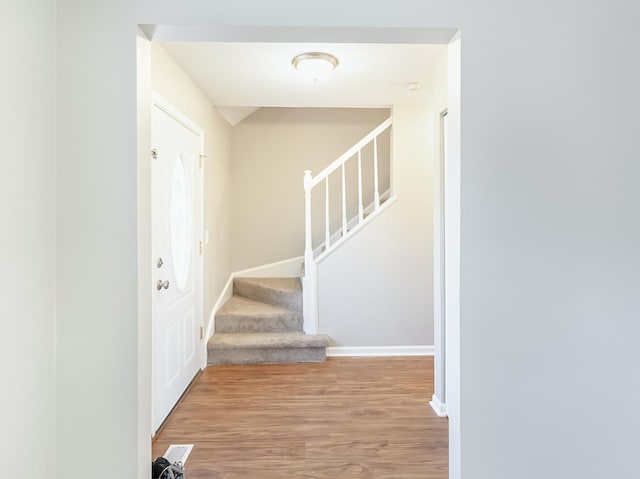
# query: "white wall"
[[27, 235], [377, 289], [170, 82], [96, 251], [271, 150], [549, 244], [549, 225]]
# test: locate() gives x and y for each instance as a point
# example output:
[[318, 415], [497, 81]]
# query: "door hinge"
[[201, 332], [200, 161], [200, 247], [154, 154]]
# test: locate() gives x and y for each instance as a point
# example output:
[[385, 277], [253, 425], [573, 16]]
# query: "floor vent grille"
[[178, 452]]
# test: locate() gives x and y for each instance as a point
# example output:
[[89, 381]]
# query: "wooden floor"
[[345, 418]]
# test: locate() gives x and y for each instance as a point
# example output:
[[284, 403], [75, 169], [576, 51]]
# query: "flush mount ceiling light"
[[315, 65]]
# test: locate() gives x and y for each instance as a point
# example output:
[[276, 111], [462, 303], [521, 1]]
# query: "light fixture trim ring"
[[315, 56]]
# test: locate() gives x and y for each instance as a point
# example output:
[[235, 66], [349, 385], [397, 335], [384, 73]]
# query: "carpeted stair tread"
[[244, 315], [268, 341], [283, 292], [262, 323]]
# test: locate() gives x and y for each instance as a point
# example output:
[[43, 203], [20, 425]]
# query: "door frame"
[[427, 35], [439, 398], [157, 101]]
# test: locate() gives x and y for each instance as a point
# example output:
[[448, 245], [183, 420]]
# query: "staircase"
[[262, 323], [265, 321], [314, 255]]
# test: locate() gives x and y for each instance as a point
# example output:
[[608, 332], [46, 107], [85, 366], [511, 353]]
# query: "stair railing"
[[310, 279]]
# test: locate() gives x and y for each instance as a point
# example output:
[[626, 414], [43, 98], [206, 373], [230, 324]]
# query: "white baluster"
[[308, 247], [360, 208], [327, 233], [309, 281], [376, 192], [344, 203]]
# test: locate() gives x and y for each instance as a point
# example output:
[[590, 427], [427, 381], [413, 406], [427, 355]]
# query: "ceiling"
[[252, 75]]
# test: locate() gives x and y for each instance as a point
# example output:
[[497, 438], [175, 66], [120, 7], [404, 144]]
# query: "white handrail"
[[310, 279], [351, 151]]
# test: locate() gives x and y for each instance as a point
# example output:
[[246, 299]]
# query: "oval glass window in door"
[[181, 223]]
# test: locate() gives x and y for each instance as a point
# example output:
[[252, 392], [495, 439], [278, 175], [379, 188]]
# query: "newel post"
[[310, 278]]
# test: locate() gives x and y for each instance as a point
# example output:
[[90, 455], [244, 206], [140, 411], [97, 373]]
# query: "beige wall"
[[377, 289], [271, 150], [169, 81]]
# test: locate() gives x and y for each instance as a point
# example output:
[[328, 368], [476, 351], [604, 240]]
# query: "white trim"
[[287, 268], [367, 351], [177, 115], [438, 407], [352, 223], [351, 151], [295, 34], [439, 264], [452, 252], [356, 229], [225, 295]]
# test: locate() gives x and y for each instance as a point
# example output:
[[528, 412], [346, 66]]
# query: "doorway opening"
[[451, 336]]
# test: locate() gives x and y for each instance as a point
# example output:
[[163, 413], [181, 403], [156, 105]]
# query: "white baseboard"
[[340, 351], [225, 295], [288, 268], [438, 407]]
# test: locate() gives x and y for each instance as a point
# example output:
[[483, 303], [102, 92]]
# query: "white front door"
[[177, 277]]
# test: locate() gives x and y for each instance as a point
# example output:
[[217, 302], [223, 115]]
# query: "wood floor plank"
[[344, 418]]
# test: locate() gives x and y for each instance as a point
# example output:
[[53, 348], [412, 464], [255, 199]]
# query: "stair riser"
[[234, 324], [266, 356], [283, 299], [262, 323]]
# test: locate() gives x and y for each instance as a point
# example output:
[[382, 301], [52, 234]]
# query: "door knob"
[[162, 284]]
